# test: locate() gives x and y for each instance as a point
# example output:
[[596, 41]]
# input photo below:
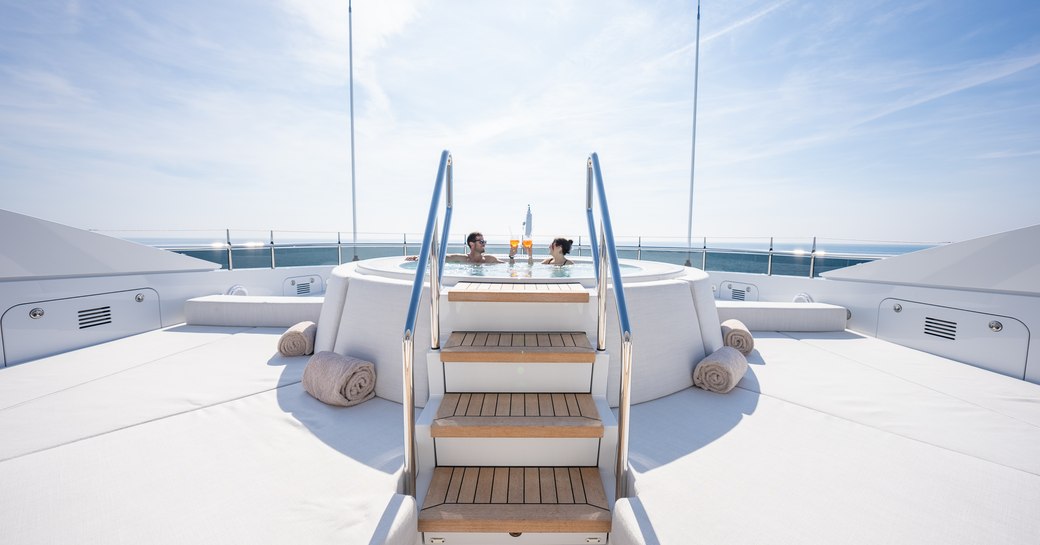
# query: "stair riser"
[[517, 377], [517, 316], [510, 451]]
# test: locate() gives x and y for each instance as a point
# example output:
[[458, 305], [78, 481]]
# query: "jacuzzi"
[[671, 310], [521, 271]]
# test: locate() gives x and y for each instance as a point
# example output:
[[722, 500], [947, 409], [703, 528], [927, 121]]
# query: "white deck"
[[204, 434], [193, 435], [838, 438]]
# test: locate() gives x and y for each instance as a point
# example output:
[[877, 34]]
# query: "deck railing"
[[434, 256], [252, 255], [606, 256]]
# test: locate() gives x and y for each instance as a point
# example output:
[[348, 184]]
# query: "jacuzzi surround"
[[632, 271]]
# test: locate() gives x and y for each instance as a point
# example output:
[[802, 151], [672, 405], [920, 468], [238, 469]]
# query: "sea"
[[801, 257]]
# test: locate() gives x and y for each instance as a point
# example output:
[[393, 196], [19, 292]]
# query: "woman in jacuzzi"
[[559, 248]]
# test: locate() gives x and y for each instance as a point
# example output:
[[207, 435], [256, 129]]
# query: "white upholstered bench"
[[773, 316], [251, 310]]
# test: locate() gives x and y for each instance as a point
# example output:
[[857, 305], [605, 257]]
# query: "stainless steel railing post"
[[435, 292], [704, 254], [812, 259], [621, 470], [230, 264], [769, 264], [272, 250], [408, 355]]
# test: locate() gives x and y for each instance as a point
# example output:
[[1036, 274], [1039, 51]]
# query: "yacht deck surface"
[[193, 434]]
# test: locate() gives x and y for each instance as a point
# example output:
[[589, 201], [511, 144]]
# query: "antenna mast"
[[693, 151], [353, 187]]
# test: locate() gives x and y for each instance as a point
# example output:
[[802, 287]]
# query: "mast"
[[693, 150], [353, 186]]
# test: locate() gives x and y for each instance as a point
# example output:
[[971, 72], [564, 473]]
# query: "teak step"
[[517, 415], [515, 499], [495, 292], [518, 347]]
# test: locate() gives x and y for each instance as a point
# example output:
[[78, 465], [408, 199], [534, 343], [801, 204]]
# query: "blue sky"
[[865, 120]]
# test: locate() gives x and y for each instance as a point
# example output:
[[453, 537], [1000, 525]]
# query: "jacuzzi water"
[[582, 271], [521, 270]]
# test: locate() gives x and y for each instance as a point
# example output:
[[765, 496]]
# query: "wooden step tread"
[[498, 292], [518, 347], [555, 415], [515, 499]]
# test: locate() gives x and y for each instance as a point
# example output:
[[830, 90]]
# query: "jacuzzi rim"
[[648, 271]]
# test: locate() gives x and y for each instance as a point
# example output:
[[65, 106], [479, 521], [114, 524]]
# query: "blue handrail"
[[608, 233], [444, 170], [408, 342], [608, 256]]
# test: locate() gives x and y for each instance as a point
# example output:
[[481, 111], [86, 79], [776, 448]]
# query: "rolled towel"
[[736, 334], [298, 340], [339, 380], [721, 370]]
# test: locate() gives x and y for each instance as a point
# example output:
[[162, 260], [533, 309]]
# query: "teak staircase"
[[517, 428]]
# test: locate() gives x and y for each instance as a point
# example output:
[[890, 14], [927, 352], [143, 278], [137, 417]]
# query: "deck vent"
[[298, 286], [737, 291], [93, 317], [940, 328]]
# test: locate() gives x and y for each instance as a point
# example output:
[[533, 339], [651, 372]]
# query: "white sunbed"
[[838, 438], [193, 435]]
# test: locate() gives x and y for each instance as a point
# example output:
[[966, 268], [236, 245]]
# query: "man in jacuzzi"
[[476, 243]]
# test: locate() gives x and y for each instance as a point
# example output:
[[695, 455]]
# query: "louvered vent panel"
[[940, 328], [738, 295], [303, 288], [93, 317]]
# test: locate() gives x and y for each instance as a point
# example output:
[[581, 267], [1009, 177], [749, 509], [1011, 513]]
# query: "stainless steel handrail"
[[428, 255], [608, 256]]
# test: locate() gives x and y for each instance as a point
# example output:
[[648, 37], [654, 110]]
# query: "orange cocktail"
[[513, 244], [527, 243]]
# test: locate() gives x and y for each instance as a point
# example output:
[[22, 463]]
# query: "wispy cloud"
[[955, 80], [804, 108]]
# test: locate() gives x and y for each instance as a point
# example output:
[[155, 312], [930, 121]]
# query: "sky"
[[867, 120]]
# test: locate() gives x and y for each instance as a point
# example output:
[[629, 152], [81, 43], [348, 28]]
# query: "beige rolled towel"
[[721, 370], [339, 380], [736, 334], [298, 340]]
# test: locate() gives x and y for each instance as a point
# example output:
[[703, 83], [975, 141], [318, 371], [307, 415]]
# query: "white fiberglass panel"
[[42, 328], [997, 343]]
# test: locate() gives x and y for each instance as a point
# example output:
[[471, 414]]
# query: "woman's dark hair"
[[564, 244]]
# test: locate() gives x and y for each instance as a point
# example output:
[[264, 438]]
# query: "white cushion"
[[224, 368], [832, 437], [332, 309], [193, 434], [372, 329], [772, 316], [742, 468], [251, 310]]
